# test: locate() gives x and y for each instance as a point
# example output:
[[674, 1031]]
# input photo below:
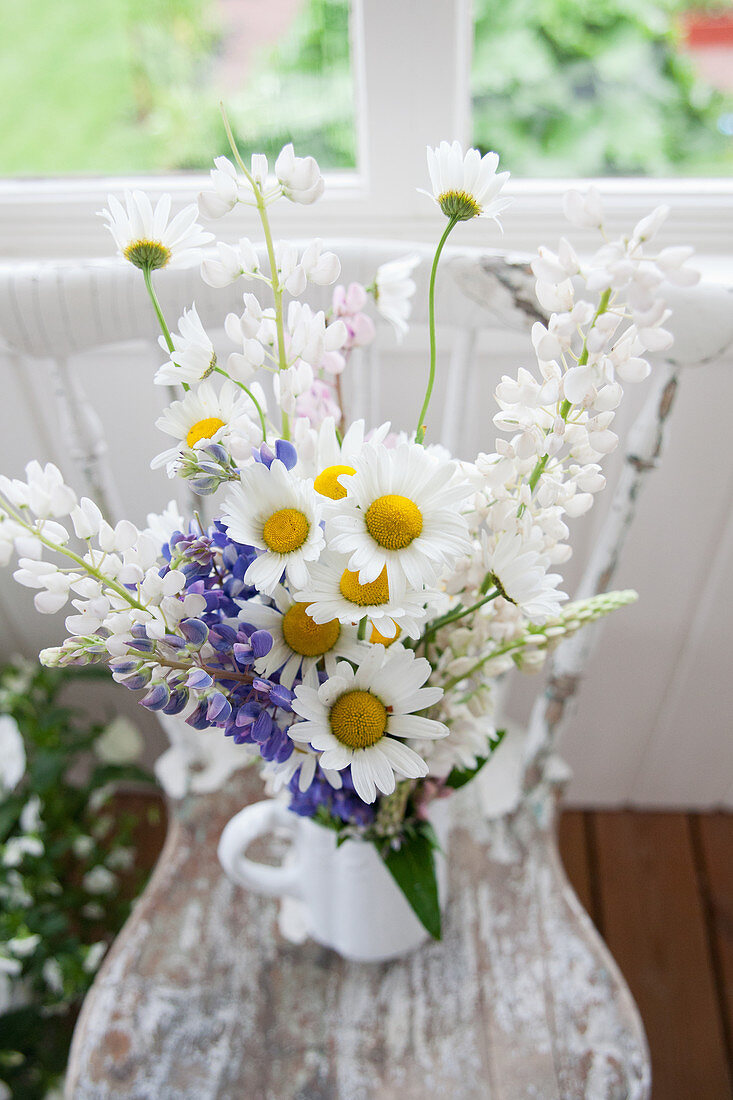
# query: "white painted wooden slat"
[[86, 441], [456, 402]]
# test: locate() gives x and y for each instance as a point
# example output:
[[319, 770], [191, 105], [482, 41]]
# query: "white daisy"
[[393, 289], [358, 719], [193, 357], [146, 237], [203, 416], [325, 459], [401, 514], [302, 760], [279, 514], [467, 186], [520, 574], [299, 643], [334, 592]]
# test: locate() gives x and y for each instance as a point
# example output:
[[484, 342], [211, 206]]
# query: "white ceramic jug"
[[347, 898]]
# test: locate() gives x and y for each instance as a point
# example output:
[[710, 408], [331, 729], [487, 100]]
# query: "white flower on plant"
[[469, 738], [30, 815], [299, 643], [290, 273], [162, 525], [225, 193], [99, 880], [86, 518], [82, 846], [148, 239], [400, 514], [584, 209], [393, 289], [204, 415], [193, 357], [53, 975], [232, 262], [10, 534], [94, 955], [12, 753], [290, 384], [280, 515], [520, 574], [299, 177], [321, 268], [23, 946], [310, 338], [360, 718], [44, 491], [467, 186], [20, 846], [334, 592], [120, 742]]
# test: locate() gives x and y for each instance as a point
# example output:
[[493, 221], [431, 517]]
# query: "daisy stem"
[[277, 289], [251, 396], [361, 632], [147, 275], [421, 427]]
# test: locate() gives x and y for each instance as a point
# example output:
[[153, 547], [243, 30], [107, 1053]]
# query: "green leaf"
[[412, 866], [460, 776]]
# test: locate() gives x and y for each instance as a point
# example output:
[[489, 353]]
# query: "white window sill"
[[56, 218]]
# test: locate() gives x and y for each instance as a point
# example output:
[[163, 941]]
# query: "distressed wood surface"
[[201, 998]]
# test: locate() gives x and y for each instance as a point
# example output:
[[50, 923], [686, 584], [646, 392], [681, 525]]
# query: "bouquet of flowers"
[[345, 616]]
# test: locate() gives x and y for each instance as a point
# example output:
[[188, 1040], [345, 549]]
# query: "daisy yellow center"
[[203, 429], [377, 638], [285, 531], [364, 595], [327, 483], [358, 719], [150, 254], [393, 521], [459, 205], [306, 637]]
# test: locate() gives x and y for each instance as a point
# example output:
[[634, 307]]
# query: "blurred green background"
[[561, 87]]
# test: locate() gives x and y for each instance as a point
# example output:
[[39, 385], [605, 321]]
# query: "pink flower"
[[348, 303], [317, 403]]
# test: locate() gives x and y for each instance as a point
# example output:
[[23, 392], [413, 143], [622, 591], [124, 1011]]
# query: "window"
[[398, 76]]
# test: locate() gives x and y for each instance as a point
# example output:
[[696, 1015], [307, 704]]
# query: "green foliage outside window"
[[561, 87], [593, 88]]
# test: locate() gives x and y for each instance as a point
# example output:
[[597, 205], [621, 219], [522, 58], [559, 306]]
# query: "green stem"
[[566, 406], [277, 289], [361, 632], [421, 428], [251, 396], [89, 569], [454, 616], [156, 306]]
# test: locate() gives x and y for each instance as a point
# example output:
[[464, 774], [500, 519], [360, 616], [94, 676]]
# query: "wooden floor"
[[659, 887]]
